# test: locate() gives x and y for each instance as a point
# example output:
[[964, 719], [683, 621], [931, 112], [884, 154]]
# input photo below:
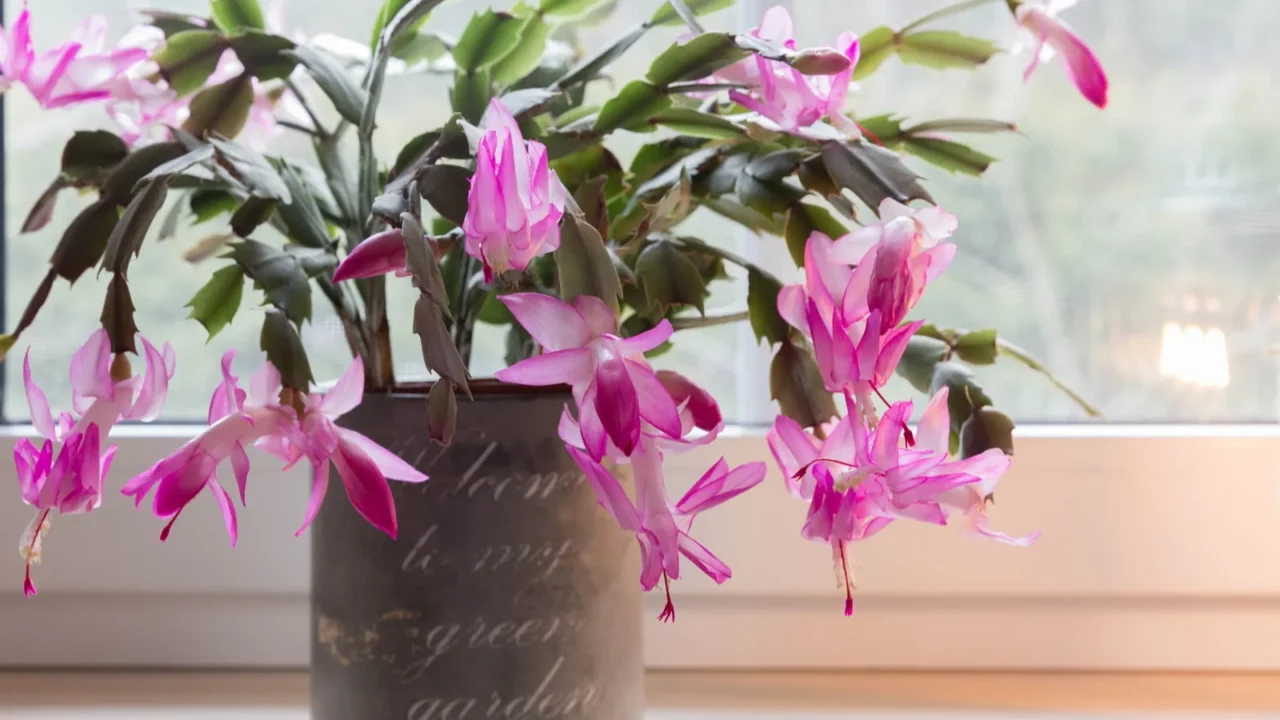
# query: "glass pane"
[[1128, 248], [1123, 248], [163, 281]]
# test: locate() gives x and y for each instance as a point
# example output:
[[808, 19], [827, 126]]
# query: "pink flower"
[[144, 107], [378, 254], [854, 316], [97, 69], [1048, 35], [80, 70], [362, 464], [72, 482], [661, 527], [896, 258], [786, 96], [860, 480], [515, 202], [236, 419], [856, 353], [614, 386]]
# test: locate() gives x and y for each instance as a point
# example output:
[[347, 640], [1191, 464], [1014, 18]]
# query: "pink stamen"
[[882, 397], [28, 587], [805, 468], [848, 587], [164, 534], [668, 612], [869, 134]]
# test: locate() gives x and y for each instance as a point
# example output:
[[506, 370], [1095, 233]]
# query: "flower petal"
[[933, 432], [703, 558], [226, 397], [41, 416], [366, 486], [616, 403], [265, 385], [154, 386], [649, 339], [572, 367], [378, 255], [653, 506], [695, 403], [609, 492], [1082, 65], [791, 306], [650, 560], [719, 485], [240, 466], [32, 468], [656, 404], [387, 462], [978, 524], [80, 490], [347, 393], [892, 349], [91, 367], [594, 437], [792, 448], [181, 486], [988, 466], [555, 324], [319, 485], [599, 318], [228, 509]]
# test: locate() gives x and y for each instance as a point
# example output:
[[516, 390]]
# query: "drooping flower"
[[787, 96], [236, 420], [662, 527], [614, 386], [363, 465], [855, 316], [515, 202], [856, 352], [1047, 35], [378, 254], [859, 480], [895, 258], [104, 391]]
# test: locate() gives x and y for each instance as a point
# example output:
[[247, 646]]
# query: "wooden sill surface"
[[690, 690]]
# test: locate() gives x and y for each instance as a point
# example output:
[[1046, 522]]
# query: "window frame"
[[1159, 581]]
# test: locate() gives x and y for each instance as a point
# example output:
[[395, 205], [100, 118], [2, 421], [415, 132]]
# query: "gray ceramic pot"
[[509, 594]]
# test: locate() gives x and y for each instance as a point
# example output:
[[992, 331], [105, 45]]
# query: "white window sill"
[[1160, 549], [691, 695]]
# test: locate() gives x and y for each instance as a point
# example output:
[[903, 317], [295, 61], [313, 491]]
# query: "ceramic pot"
[[509, 592]]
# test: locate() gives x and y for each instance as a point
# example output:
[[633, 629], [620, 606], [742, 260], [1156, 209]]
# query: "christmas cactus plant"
[[517, 212]]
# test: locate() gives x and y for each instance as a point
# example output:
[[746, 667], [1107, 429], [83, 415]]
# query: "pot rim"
[[481, 388]]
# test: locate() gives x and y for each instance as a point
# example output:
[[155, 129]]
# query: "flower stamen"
[[669, 611], [31, 553]]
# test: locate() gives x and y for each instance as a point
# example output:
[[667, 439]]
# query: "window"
[[411, 105], [1132, 251]]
